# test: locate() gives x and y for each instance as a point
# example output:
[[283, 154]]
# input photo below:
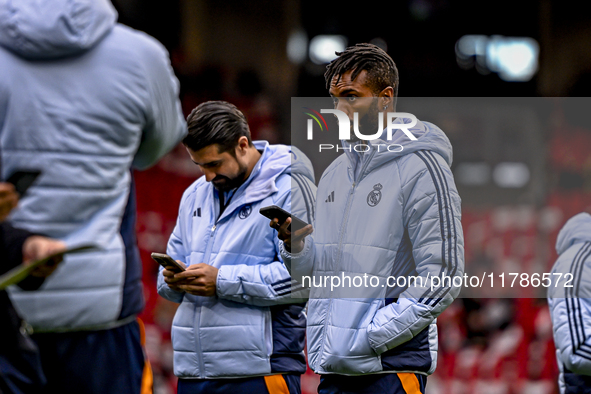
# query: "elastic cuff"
[[218, 282], [283, 252], [288, 255]]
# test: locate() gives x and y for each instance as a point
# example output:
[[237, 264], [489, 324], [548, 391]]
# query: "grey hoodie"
[[83, 99], [382, 214], [576, 230], [40, 29], [569, 299]]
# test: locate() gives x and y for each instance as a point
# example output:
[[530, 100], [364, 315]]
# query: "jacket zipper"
[[198, 323], [206, 256], [339, 247], [347, 211]]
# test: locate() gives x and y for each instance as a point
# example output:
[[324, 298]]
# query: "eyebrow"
[[345, 92], [211, 163]]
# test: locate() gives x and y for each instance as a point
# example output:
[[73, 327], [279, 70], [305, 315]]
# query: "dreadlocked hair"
[[381, 70]]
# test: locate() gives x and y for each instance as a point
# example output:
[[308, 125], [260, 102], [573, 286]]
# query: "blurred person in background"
[[388, 213], [256, 105], [570, 307], [84, 99], [240, 325], [20, 366]]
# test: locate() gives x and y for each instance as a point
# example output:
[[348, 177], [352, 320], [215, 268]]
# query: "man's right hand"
[[8, 199], [294, 243]]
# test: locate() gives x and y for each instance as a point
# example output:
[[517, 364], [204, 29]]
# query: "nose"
[[209, 175]]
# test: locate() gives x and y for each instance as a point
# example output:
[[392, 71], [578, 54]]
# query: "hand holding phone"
[[293, 242], [274, 212], [22, 180], [166, 261]]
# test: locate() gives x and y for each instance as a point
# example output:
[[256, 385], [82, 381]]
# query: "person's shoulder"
[[192, 192], [339, 163], [283, 182], [275, 153], [420, 162], [572, 270], [414, 160], [276, 164], [576, 258], [137, 41]]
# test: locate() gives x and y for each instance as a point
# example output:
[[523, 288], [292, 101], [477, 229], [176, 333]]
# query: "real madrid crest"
[[244, 212], [375, 196]]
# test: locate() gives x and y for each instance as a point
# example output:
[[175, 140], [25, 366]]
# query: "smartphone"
[[165, 261], [273, 211], [22, 180]]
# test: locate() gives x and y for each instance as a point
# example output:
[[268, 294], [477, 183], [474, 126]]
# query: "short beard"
[[231, 183]]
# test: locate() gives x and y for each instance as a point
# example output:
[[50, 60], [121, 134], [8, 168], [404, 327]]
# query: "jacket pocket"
[[233, 339], [346, 347], [184, 337]]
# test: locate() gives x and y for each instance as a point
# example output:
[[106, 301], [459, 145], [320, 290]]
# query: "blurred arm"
[[166, 124]]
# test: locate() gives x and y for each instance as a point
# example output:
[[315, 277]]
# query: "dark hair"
[[381, 70], [216, 122]]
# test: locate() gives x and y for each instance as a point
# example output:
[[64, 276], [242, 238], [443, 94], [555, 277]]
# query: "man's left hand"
[[37, 247], [199, 279]]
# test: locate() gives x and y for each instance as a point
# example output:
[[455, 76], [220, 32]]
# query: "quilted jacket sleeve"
[[431, 209], [303, 197], [165, 123], [569, 299], [266, 284]]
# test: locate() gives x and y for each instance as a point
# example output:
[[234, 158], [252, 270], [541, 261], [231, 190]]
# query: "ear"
[[242, 146], [385, 97]]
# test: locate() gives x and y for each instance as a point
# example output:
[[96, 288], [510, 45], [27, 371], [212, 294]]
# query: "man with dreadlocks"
[[389, 231]]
